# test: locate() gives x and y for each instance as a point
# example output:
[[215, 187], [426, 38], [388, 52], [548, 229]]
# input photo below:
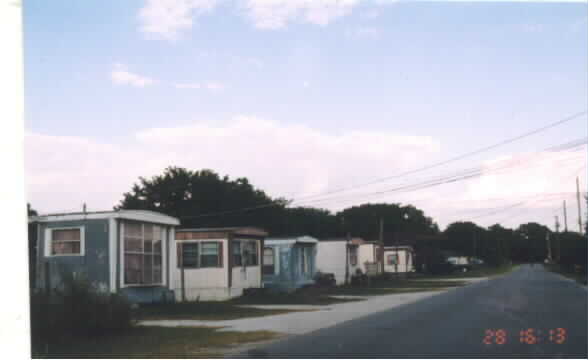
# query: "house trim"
[[112, 258], [137, 215]]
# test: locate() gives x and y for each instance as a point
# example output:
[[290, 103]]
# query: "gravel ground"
[[303, 322]]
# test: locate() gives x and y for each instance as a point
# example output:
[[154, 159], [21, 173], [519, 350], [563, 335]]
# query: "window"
[[392, 259], [142, 254], [250, 253], [189, 255], [65, 242], [237, 256], [306, 256], [268, 261], [211, 254], [353, 256]]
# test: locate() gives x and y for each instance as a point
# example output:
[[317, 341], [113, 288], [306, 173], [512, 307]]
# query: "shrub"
[[78, 308]]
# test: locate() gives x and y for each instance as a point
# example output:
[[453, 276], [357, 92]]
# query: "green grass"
[[304, 296], [203, 310], [395, 286], [558, 269], [151, 342]]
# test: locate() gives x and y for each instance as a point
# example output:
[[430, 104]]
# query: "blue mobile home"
[[125, 252], [289, 263]]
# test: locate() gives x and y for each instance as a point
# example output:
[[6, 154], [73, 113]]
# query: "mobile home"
[[338, 256], [124, 251], [289, 263], [217, 263], [398, 259]]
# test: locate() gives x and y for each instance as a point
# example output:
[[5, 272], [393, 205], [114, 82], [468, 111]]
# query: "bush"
[[77, 309]]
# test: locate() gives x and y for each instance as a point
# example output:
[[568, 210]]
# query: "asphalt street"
[[529, 312]]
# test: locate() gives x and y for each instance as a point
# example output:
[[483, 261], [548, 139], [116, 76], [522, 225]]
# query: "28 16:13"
[[526, 336]]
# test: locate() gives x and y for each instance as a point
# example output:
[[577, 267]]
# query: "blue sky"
[[448, 76]]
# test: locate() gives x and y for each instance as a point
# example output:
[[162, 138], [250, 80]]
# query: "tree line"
[[203, 198]]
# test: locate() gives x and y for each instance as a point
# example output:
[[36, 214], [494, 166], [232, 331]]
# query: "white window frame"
[[199, 242], [49, 241], [163, 255]]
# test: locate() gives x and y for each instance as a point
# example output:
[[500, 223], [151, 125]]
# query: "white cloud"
[[166, 18], [214, 86], [276, 14], [305, 84], [295, 160], [187, 86], [62, 172], [211, 86], [120, 76]]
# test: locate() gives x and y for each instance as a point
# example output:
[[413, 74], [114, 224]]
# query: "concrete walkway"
[[302, 322]]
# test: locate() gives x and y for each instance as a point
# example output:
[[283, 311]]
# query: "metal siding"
[[94, 264]]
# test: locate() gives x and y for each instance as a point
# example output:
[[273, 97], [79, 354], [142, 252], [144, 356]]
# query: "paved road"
[[453, 324]]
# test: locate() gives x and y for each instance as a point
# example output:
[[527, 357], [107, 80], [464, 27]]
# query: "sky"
[[305, 98]]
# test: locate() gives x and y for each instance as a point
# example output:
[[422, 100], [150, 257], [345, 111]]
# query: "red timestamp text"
[[526, 336]]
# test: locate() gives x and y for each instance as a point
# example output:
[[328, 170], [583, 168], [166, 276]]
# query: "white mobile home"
[[217, 263], [398, 259], [370, 253], [339, 257]]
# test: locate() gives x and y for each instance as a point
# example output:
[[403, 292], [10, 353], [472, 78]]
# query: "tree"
[[502, 238], [530, 243], [204, 199], [364, 220], [465, 238]]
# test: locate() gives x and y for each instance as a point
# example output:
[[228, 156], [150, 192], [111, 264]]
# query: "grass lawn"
[[556, 268], [203, 310], [151, 342], [396, 286], [304, 296]]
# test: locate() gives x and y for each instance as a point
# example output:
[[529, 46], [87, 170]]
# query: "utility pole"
[[548, 247], [380, 253], [579, 208], [565, 213], [557, 238], [474, 245], [347, 242]]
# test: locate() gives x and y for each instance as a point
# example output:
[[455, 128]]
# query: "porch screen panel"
[[251, 253], [210, 256], [237, 253], [268, 261], [142, 254], [157, 256]]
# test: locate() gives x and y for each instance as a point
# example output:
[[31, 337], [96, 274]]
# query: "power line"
[[458, 176], [463, 156], [454, 177]]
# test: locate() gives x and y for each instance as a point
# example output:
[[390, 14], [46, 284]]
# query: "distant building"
[[289, 262], [217, 263], [370, 254], [398, 259], [339, 257]]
